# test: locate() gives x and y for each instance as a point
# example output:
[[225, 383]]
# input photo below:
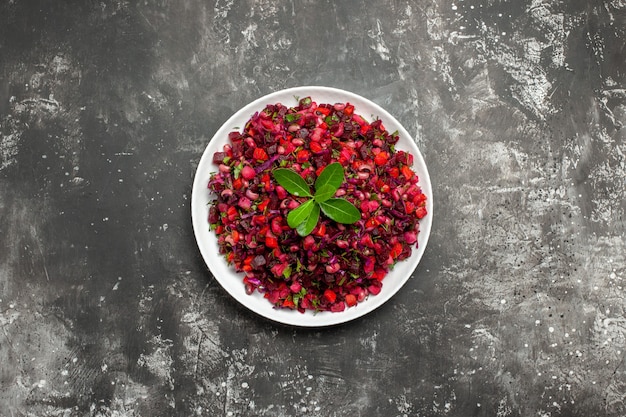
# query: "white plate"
[[207, 240]]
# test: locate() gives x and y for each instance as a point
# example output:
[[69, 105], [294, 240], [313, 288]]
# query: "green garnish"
[[338, 208], [237, 170], [292, 117], [292, 182], [304, 218]]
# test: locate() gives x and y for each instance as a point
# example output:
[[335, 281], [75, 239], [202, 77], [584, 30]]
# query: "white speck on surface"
[[249, 34], [159, 361], [379, 43], [8, 149]]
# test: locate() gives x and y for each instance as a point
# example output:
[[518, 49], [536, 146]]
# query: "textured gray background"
[[107, 309]]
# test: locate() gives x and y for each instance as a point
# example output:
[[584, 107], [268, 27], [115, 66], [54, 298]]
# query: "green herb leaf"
[[298, 296], [292, 117], [340, 210], [332, 175], [293, 182], [237, 170], [304, 218], [287, 272], [324, 192], [307, 226], [300, 214]]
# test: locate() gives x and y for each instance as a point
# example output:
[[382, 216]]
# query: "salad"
[[314, 205]]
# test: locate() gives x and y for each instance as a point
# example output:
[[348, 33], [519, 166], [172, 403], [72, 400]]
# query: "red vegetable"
[[330, 296], [247, 172], [260, 154]]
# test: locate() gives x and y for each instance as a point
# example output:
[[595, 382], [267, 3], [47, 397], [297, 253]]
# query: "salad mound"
[[332, 265]]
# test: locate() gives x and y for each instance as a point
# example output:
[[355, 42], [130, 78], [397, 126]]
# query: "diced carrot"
[[263, 204], [316, 147], [381, 158], [271, 241], [259, 154], [396, 250], [351, 300], [421, 212], [303, 156], [330, 295], [407, 172]]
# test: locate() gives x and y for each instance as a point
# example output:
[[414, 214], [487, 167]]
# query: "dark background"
[[517, 309]]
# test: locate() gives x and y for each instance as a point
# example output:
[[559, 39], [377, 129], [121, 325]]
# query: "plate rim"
[[216, 263]]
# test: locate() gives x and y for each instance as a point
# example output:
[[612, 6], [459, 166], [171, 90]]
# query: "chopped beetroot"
[[218, 157], [337, 266]]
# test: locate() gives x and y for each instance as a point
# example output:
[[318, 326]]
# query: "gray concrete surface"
[[517, 309]]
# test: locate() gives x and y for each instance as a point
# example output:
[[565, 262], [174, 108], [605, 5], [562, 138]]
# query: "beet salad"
[[314, 205]]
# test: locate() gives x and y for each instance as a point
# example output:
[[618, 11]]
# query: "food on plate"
[[314, 205]]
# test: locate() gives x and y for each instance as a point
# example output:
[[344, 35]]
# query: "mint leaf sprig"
[[304, 218]]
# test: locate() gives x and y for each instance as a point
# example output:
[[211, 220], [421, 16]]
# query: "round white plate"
[[207, 240]]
